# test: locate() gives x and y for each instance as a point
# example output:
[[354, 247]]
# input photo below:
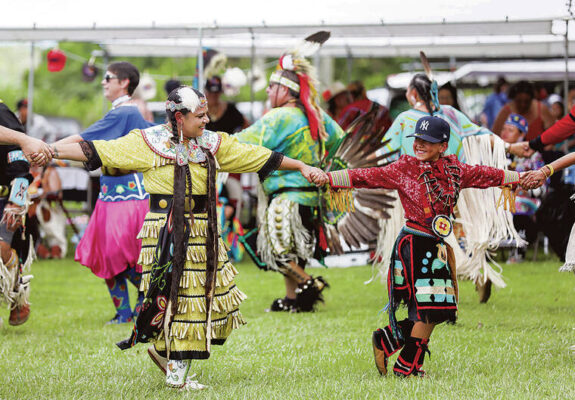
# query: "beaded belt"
[[161, 203]]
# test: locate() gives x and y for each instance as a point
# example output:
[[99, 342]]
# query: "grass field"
[[514, 347]]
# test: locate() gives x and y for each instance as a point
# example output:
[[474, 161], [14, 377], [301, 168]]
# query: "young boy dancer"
[[422, 270]]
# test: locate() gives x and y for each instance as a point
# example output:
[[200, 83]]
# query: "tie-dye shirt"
[[404, 125], [286, 130]]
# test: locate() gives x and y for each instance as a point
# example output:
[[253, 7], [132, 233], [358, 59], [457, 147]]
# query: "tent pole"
[[106, 60], [30, 90], [200, 62], [252, 60], [566, 81], [349, 63]]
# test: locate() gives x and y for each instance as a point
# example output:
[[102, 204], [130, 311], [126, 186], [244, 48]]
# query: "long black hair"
[[182, 181], [422, 85]]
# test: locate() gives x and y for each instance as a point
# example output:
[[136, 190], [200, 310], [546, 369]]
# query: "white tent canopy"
[[487, 39]]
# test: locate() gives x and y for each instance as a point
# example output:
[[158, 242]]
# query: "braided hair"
[[422, 85], [183, 99]]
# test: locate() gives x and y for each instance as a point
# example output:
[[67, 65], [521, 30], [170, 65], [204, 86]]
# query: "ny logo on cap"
[[424, 125]]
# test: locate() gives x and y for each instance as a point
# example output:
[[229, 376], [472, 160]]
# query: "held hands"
[[314, 175], [521, 149], [36, 151], [532, 179]]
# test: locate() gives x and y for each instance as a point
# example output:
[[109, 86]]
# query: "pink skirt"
[[109, 245]]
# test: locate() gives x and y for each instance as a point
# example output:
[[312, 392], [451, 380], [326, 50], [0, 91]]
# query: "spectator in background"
[[361, 105], [495, 101], [224, 116], [527, 201], [523, 102], [171, 85], [109, 246], [555, 103], [40, 128], [448, 96], [337, 98]]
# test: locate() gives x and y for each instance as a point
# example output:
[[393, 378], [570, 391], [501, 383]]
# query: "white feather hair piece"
[[190, 100]]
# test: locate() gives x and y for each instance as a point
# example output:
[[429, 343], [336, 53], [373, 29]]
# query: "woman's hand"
[[532, 179]]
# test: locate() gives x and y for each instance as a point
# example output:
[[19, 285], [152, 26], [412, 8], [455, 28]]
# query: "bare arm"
[[307, 171], [35, 150], [71, 151], [535, 179], [69, 139]]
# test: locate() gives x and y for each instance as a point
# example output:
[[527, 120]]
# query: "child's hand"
[[532, 179], [314, 175]]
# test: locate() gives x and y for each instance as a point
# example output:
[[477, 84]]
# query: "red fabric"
[[560, 130], [360, 107], [311, 113], [403, 175]]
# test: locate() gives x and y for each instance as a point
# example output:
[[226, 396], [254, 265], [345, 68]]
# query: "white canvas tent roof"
[[507, 38]]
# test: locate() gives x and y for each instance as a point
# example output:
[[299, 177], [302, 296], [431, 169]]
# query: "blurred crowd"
[[518, 112]]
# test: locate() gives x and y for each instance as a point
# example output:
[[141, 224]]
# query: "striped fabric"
[[510, 178], [339, 179]]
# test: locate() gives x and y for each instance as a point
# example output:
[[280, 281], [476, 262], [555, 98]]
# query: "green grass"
[[514, 347]]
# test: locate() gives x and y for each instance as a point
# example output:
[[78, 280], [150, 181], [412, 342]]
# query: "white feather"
[[190, 99]]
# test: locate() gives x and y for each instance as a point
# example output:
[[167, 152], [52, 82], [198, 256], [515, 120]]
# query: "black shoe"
[[308, 294], [284, 304]]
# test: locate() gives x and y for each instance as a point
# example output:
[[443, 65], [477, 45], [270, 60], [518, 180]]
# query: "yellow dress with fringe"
[[188, 330]]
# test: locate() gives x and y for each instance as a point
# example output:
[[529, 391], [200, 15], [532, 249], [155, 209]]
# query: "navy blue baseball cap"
[[432, 129]]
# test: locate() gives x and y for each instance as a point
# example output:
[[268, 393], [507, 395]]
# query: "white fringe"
[[388, 231], [485, 226], [8, 277], [282, 237], [569, 265]]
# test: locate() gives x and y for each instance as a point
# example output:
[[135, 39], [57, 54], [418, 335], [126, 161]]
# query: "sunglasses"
[[109, 77]]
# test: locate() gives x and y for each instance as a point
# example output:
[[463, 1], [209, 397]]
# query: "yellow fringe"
[[220, 304], [507, 198], [197, 330], [195, 253], [151, 228], [224, 277], [341, 199]]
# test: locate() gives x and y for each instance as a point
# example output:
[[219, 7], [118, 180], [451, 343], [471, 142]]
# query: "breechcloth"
[[421, 276]]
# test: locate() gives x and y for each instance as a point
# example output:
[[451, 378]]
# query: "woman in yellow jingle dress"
[[174, 159]]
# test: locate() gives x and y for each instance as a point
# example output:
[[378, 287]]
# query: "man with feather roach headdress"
[[289, 228]]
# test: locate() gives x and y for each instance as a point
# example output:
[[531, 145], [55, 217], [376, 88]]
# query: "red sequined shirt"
[[445, 178]]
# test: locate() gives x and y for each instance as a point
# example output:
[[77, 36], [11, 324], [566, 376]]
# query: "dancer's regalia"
[[422, 272], [17, 247], [484, 227], [191, 299], [288, 210]]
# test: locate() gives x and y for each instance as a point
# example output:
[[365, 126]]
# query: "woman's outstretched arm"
[[71, 151]]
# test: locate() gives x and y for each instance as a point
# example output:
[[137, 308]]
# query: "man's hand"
[[36, 151], [521, 149]]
